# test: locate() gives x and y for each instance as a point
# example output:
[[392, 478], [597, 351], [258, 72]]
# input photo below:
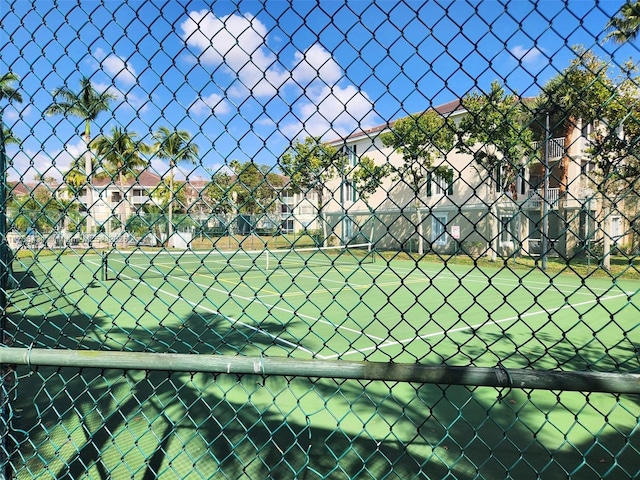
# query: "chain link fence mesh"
[[319, 240]]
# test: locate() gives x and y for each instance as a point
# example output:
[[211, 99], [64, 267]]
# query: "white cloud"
[[25, 165], [527, 55], [119, 69], [213, 103], [12, 113], [240, 44], [232, 39], [315, 63], [333, 112], [124, 99], [237, 44]]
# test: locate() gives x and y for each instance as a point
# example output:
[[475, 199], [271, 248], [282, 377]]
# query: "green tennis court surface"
[[359, 310]]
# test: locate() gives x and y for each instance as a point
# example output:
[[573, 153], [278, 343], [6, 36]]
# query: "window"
[[349, 193], [499, 178], [587, 130], [287, 209], [352, 156], [351, 152], [440, 184], [287, 225], [616, 229], [347, 229], [507, 230], [438, 229]]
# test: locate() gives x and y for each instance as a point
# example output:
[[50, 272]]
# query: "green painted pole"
[[498, 377], [5, 266]]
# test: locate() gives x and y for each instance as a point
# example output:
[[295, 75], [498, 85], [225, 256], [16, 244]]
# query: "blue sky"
[[246, 78]]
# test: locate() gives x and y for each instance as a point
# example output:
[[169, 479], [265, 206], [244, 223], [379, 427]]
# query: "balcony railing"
[[536, 197], [556, 148], [139, 199]]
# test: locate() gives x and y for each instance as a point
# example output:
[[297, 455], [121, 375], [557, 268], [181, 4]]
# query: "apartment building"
[[468, 211]]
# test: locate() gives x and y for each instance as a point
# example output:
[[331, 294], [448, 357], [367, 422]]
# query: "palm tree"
[[11, 94], [6, 89], [87, 104], [8, 137], [174, 146], [120, 153], [625, 25]]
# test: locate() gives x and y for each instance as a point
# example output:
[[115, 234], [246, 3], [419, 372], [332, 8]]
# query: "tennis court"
[[329, 305], [339, 303]]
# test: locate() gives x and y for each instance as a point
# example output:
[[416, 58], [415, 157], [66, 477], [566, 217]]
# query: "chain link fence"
[[319, 240]]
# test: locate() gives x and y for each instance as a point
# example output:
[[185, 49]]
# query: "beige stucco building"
[[469, 212]]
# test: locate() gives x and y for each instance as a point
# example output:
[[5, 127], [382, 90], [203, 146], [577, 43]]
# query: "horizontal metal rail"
[[498, 376]]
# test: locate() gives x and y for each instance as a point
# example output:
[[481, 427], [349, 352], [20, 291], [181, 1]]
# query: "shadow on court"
[[71, 422], [234, 425]]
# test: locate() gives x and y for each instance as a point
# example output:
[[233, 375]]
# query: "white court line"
[[266, 305], [529, 285], [233, 321], [483, 279], [286, 310], [468, 327]]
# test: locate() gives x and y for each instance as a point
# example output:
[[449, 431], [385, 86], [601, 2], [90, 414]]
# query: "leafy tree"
[[420, 139], [256, 188], [309, 166], [495, 132], [86, 104], [174, 146], [71, 214], [368, 176], [120, 154], [39, 210], [217, 193], [625, 25], [170, 191], [614, 151], [579, 91], [151, 221], [74, 178], [585, 93]]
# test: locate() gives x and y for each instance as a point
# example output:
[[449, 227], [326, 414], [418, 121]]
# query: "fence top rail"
[[499, 376]]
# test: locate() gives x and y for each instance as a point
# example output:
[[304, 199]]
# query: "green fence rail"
[[319, 240]]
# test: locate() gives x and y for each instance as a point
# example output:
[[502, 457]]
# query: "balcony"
[[536, 198], [139, 199], [556, 148]]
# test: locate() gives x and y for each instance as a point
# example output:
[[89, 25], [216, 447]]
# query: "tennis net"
[[136, 264]]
